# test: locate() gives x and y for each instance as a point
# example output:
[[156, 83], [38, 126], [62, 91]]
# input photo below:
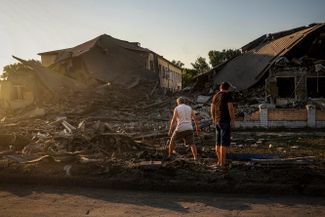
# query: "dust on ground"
[[62, 201], [117, 137]]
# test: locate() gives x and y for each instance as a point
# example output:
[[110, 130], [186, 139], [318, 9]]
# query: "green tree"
[[178, 63], [217, 57], [188, 75], [17, 68], [200, 65]]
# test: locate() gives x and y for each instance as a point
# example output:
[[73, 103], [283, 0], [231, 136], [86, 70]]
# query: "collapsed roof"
[[247, 69], [55, 83], [110, 60]]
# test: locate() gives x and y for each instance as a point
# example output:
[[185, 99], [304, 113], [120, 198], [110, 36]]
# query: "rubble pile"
[[105, 118], [120, 134]]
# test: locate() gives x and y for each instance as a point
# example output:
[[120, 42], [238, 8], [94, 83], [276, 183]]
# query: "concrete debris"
[[203, 99], [37, 112], [67, 169], [118, 133], [119, 130], [68, 126]]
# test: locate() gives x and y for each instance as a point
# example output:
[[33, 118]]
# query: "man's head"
[[224, 86], [180, 100]]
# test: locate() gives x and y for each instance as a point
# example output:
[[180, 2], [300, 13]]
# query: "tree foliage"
[[17, 68], [178, 63], [188, 75], [200, 65], [217, 57]]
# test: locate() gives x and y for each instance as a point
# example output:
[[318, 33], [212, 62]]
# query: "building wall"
[[287, 115], [255, 116], [48, 59], [170, 75], [247, 124], [150, 62], [300, 75], [15, 96], [288, 118], [320, 115], [287, 124], [320, 124]]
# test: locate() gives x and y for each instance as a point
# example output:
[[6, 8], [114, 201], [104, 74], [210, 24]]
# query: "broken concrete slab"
[[203, 99]]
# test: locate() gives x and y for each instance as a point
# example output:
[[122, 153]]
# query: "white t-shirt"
[[184, 118]]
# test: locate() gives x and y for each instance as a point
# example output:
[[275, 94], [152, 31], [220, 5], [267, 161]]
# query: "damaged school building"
[[79, 130], [279, 78], [102, 60], [290, 68]]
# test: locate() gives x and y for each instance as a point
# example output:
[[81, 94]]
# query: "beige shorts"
[[186, 136]]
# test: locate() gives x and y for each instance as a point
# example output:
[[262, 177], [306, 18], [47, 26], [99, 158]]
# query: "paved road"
[[45, 201]]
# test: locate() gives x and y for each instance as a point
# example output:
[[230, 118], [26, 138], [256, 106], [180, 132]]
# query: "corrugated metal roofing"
[[266, 37], [245, 70], [277, 46]]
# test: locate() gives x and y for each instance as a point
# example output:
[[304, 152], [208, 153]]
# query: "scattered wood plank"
[[152, 135], [6, 152], [155, 104], [148, 164], [21, 160], [68, 126]]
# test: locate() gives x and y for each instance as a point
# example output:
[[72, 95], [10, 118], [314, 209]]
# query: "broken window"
[[316, 87], [17, 92], [286, 87], [317, 48], [151, 65], [163, 72], [167, 73]]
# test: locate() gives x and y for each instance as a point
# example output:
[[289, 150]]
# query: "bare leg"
[[218, 153], [223, 156], [194, 151], [171, 148]]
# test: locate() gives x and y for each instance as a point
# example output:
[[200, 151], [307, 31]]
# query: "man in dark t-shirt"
[[223, 116]]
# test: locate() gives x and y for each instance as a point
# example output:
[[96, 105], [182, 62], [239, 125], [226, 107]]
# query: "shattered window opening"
[[17, 93], [151, 65], [316, 87], [163, 72], [286, 87]]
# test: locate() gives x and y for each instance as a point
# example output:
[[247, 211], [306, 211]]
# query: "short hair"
[[180, 100], [224, 85]]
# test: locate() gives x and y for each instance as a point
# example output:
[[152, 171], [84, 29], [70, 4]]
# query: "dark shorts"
[[223, 134], [186, 136]]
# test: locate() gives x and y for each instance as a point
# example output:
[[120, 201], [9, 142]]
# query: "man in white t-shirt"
[[182, 117]]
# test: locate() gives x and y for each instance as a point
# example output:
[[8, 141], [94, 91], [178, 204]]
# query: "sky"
[[177, 29]]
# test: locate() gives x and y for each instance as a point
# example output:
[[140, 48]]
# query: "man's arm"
[[231, 113], [213, 111], [196, 122], [172, 123]]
